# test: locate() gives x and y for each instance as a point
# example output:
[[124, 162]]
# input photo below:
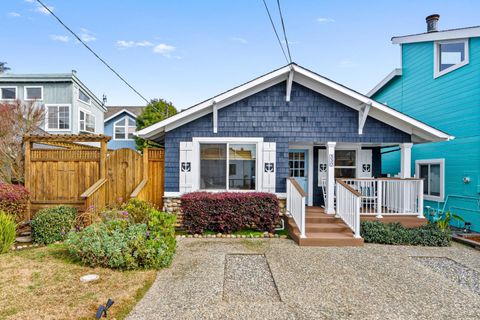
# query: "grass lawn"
[[43, 283]]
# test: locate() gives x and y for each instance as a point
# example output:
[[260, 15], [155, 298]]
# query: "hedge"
[[13, 200], [396, 234], [228, 212]]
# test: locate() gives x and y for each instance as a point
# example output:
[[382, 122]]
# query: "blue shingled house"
[[439, 83], [313, 142], [120, 123]]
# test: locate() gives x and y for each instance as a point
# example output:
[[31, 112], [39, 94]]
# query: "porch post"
[[405, 160], [330, 206]]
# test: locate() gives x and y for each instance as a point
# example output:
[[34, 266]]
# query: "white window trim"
[[78, 97], [25, 97], [196, 163], [94, 120], [436, 57], [9, 87], [441, 162], [69, 116], [126, 129], [355, 148]]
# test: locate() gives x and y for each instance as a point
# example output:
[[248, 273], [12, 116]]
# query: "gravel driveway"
[[371, 282]]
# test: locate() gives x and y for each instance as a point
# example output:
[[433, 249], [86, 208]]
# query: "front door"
[[298, 164]]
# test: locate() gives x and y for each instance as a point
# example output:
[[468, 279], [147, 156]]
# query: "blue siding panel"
[[308, 117], [118, 144]]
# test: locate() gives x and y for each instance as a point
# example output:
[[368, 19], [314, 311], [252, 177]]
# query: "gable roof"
[[395, 73], [114, 111], [469, 32], [311, 80]]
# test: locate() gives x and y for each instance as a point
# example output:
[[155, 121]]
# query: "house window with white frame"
[[124, 129], [432, 172], [86, 122], [228, 166], [57, 117], [8, 93], [345, 164], [82, 96], [450, 55], [33, 93]]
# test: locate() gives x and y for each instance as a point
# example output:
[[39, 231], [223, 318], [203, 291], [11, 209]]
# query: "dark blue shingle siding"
[[309, 116]]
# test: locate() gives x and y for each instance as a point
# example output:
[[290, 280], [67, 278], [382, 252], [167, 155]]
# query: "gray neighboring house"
[[70, 107]]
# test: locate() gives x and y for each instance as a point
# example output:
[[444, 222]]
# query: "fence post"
[[27, 168], [420, 198], [103, 159], [145, 174]]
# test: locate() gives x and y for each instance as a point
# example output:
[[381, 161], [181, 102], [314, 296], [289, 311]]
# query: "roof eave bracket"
[[362, 116]]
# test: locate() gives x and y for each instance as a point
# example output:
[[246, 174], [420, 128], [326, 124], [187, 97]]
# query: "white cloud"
[[55, 37], [30, 1], [325, 20], [14, 14], [86, 35], [130, 44], [165, 50], [239, 40], [42, 10]]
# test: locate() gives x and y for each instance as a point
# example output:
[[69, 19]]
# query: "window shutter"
[[322, 167], [269, 166], [186, 159], [365, 164]]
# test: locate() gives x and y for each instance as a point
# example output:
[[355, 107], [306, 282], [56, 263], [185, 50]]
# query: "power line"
[[275, 30], [93, 52], [284, 32]]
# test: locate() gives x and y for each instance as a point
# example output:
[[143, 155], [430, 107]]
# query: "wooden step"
[[326, 227], [322, 219]]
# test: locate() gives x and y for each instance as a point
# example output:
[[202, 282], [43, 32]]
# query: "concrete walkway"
[[370, 282]]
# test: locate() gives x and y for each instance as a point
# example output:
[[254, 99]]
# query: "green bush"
[[135, 211], [7, 231], [53, 224], [396, 234], [120, 243]]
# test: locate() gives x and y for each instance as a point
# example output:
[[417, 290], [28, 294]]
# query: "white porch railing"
[[389, 196], [296, 204], [348, 206]]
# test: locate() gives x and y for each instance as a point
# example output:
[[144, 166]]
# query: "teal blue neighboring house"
[[439, 83], [120, 124]]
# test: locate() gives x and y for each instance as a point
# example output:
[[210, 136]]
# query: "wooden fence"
[[90, 178]]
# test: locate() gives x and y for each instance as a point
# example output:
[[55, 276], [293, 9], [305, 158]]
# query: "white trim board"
[[118, 113], [440, 35], [436, 57], [313, 81], [440, 162], [25, 97], [396, 72]]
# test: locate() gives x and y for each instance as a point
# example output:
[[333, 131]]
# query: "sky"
[[186, 51]]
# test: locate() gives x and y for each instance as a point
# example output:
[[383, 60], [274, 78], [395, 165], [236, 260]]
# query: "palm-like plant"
[[3, 67], [444, 223]]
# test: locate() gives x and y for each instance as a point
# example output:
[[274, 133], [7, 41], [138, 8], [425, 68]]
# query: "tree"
[[18, 120], [3, 67], [157, 110]]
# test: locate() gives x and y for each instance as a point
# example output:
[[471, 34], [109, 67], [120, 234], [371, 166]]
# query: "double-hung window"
[[8, 93], [33, 93], [345, 164], [450, 55], [432, 172], [228, 166], [124, 129], [86, 122], [57, 117]]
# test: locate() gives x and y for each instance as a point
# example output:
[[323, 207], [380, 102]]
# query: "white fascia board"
[[120, 112], [381, 84], [77, 81], [439, 35], [221, 100]]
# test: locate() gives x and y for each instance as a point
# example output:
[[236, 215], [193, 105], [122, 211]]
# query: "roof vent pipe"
[[432, 22]]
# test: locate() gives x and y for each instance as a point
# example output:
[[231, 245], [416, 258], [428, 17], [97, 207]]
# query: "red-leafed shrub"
[[229, 211], [13, 200]]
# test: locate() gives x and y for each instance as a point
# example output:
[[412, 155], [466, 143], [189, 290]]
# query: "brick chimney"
[[432, 22]]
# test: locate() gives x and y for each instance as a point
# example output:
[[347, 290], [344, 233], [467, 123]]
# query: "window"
[[124, 129], [33, 93], [296, 163], [450, 55], [86, 122], [58, 117], [8, 93], [240, 162], [345, 164], [82, 96], [432, 173]]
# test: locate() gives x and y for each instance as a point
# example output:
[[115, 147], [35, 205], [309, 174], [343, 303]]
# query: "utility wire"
[[284, 32], [275, 30], [93, 52]]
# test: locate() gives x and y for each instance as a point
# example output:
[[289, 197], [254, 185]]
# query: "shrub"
[[120, 243], [135, 211], [396, 234], [53, 224], [7, 232], [13, 200], [229, 211]]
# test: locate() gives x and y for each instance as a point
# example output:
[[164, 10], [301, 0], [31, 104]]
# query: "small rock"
[[219, 235], [283, 236], [276, 235], [89, 278], [24, 239], [271, 235], [195, 235]]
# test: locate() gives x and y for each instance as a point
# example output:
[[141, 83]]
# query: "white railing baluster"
[[348, 205], [296, 204]]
